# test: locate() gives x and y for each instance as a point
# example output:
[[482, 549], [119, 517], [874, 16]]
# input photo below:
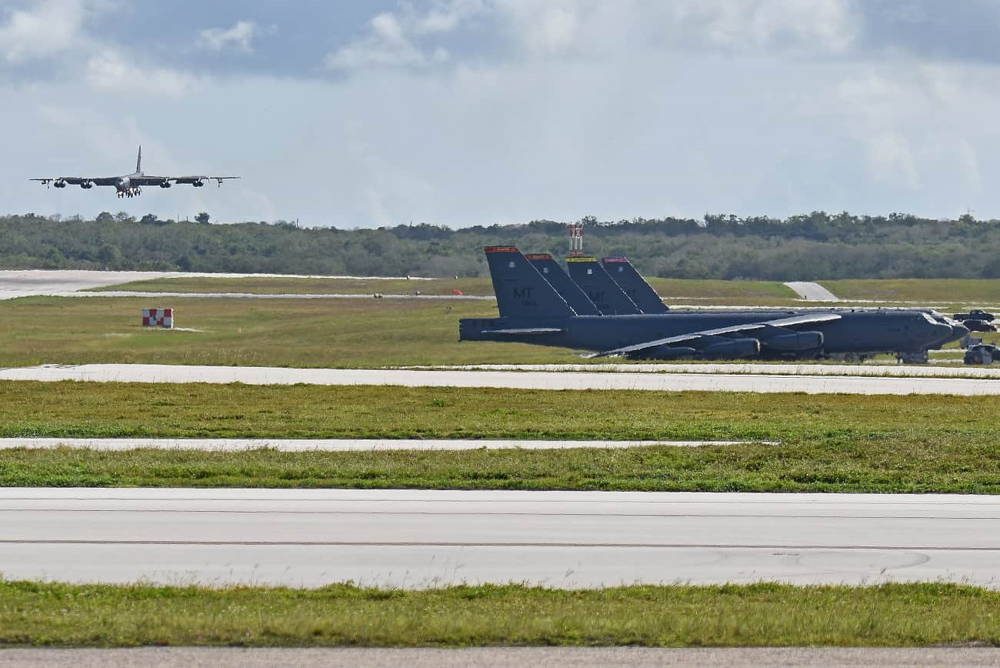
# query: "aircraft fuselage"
[[862, 332]]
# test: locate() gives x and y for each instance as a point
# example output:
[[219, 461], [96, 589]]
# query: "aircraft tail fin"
[[138, 161], [561, 282], [635, 286], [610, 299], [521, 290]]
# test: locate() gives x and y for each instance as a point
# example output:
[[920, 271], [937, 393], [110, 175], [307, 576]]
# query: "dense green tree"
[[809, 246]]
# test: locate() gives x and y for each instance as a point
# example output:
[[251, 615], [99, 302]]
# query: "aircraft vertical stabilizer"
[[634, 285], [521, 291], [610, 299], [558, 279]]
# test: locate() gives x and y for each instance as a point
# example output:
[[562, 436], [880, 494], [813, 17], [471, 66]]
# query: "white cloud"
[[890, 159], [547, 27], [395, 39], [538, 108], [240, 37], [50, 27], [805, 25], [446, 15], [110, 71]]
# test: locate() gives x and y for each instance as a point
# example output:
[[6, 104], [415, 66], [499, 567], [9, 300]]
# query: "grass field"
[[355, 333], [295, 333], [828, 443], [53, 614], [942, 290], [740, 292], [291, 285]]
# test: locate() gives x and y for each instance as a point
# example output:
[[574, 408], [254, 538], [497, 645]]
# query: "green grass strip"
[[52, 614], [828, 443], [204, 410]]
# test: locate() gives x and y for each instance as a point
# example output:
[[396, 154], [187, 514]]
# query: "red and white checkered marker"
[[158, 317]]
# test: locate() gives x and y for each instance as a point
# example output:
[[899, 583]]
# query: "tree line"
[[812, 246]]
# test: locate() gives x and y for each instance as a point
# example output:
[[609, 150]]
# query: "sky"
[[474, 112]]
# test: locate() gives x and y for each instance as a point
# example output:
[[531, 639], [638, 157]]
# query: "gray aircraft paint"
[[634, 285], [563, 284], [533, 312], [609, 298], [130, 185]]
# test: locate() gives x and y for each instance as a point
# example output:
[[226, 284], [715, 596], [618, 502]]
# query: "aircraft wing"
[[721, 331], [147, 180], [77, 180], [200, 180]]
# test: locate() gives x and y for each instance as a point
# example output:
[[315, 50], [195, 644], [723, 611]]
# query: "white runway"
[[336, 445], [553, 380], [778, 369], [56, 283], [258, 295], [413, 538], [812, 292]]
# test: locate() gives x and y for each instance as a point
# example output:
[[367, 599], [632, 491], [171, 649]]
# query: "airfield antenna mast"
[[575, 239]]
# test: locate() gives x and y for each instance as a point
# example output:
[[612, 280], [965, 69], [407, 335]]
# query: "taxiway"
[[335, 445], [420, 538], [537, 380]]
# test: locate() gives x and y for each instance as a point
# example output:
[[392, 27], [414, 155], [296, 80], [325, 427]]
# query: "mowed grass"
[[828, 443], [765, 615], [738, 292], [742, 292], [317, 285], [248, 332], [945, 290]]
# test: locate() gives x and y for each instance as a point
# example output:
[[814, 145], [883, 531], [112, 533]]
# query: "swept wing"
[[199, 180], [721, 331]]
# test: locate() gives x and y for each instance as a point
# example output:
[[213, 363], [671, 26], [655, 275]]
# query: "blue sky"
[[462, 112]]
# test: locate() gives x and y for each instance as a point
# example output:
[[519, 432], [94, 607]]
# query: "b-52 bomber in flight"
[[130, 185], [534, 310]]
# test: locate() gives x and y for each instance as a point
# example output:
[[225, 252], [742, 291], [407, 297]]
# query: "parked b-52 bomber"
[[589, 309], [130, 185]]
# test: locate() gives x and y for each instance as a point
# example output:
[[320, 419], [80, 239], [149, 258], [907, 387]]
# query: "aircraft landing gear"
[[913, 358]]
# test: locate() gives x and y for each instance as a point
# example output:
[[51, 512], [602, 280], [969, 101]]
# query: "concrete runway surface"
[[44, 282], [421, 538], [258, 295], [812, 292], [782, 369], [540, 380], [513, 657], [336, 445]]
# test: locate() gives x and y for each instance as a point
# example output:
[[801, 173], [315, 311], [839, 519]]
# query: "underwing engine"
[[794, 341], [733, 348]]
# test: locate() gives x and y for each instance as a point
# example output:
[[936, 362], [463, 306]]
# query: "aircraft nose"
[[940, 331]]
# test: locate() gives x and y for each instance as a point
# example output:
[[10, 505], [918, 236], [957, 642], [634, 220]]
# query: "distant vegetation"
[[809, 247]]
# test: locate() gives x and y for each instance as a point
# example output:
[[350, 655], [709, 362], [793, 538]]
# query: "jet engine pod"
[[795, 341], [87, 185], [59, 184], [733, 348], [979, 326], [165, 184], [976, 314], [663, 353]]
